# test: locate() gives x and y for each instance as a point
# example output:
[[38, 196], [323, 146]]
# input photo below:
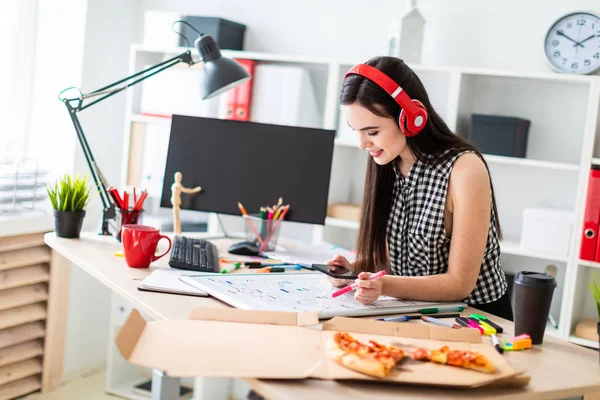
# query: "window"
[[17, 45]]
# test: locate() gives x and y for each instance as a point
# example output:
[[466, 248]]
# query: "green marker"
[[231, 269]]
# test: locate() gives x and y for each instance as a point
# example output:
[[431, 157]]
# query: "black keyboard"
[[194, 254]]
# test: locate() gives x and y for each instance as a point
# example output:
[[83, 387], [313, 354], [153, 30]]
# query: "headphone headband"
[[412, 109]]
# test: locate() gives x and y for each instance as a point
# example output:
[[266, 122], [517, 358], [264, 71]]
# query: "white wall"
[[507, 34], [501, 35], [110, 29], [84, 44]]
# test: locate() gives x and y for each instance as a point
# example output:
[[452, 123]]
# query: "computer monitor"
[[252, 163]]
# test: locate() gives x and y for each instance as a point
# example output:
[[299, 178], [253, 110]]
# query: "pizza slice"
[[372, 359], [468, 359]]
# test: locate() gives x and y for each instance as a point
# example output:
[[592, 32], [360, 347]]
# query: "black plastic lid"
[[535, 279]]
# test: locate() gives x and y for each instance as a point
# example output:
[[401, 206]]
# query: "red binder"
[[238, 100], [589, 239], [231, 103]]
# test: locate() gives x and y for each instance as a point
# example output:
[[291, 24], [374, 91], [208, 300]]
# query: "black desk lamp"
[[220, 75]]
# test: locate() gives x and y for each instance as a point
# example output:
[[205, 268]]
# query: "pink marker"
[[349, 288], [475, 325]]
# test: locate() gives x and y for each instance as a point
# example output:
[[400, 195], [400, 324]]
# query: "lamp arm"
[[185, 57], [74, 105]]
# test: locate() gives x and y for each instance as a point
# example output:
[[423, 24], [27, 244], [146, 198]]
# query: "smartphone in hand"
[[334, 272]]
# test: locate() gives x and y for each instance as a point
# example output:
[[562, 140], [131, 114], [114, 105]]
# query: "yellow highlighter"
[[487, 328]]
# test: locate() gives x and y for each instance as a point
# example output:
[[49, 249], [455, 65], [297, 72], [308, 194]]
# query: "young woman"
[[429, 216]]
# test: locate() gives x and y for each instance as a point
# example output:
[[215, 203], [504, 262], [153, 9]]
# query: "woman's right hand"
[[339, 265]]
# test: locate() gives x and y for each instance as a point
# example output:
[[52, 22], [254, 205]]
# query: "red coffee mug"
[[139, 245]]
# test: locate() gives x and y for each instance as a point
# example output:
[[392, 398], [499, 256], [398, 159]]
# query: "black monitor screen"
[[252, 163]]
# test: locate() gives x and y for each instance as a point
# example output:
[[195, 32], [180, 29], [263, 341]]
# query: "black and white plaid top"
[[417, 240]]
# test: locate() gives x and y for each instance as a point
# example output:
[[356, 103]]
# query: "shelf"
[[514, 248], [583, 342], [552, 331], [341, 223], [147, 119], [530, 163], [595, 161], [587, 263], [248, 55], [548, 76]]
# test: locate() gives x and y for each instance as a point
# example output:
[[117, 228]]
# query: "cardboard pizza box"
[[233, 343]]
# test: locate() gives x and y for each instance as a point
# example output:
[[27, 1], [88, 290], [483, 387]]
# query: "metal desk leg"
[[164, 387]]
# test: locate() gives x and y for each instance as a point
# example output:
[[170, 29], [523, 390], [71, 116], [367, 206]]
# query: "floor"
[[90, 388]]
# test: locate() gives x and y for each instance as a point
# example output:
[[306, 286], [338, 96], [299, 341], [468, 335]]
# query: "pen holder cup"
[[126, 217], [267, 229]]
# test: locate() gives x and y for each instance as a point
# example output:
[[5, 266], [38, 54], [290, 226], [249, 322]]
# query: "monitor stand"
[[225, 234]]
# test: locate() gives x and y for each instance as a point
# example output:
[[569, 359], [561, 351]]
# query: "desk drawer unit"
[[24, 292]]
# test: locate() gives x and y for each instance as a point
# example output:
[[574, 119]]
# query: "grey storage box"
[[228, 34], [499, 135]]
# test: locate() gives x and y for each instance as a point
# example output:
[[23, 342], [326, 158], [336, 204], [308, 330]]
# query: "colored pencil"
[[275, 226], [245, 214]]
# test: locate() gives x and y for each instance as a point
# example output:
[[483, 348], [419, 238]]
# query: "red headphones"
[[413, 116]]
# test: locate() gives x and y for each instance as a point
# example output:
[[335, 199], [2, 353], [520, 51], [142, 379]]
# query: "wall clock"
[[572, 43]]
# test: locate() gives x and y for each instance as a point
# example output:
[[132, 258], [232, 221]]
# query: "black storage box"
[[228, 34], [495, 134]]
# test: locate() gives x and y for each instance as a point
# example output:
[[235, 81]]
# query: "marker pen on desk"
[[462, 321], [408, 317], [439, 322], [261, 264], [473, 324], [231, 268], [479, 317], [278, 269], [497, 345], [487, 330], [402, 318], [436, 310], [350, 288]]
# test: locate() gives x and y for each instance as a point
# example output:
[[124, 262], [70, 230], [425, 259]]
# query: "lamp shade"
[[220, 73]]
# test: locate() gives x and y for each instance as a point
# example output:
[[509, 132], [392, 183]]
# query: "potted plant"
[[69, 196]]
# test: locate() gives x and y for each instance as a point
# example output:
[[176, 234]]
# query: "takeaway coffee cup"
[[533, 296]]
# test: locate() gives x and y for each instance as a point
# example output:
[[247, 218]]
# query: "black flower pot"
[[67, 224]]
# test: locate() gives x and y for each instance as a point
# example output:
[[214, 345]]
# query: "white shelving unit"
[[562, 145]]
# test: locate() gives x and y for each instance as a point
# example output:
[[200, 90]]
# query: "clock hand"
[[584, 40], [561, 33]]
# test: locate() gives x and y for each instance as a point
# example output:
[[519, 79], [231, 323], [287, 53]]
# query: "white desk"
[[558, 369]]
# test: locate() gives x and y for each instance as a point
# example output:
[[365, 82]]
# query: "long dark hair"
[[436, 143]]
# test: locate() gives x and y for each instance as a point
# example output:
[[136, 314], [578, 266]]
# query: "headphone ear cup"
[[420, 117], [403, 125]]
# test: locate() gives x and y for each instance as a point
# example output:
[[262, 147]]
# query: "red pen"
[[349, 288]]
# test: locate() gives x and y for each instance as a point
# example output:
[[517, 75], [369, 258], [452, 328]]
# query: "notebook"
[[166, 280]]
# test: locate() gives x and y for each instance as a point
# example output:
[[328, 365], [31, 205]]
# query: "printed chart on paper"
[[297, 292]]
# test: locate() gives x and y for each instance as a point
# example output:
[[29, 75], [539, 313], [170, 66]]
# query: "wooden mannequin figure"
[[176, 189]]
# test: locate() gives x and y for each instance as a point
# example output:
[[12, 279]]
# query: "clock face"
[[573, 44]]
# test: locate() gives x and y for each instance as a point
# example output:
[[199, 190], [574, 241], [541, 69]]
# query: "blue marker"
[[403, 318]]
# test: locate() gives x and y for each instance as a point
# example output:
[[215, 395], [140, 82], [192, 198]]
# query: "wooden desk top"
[[558, 369]]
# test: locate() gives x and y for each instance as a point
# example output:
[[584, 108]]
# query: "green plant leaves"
[[594, 285], [70, 193]]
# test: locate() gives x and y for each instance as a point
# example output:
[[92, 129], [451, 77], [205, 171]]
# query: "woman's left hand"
[[368, 290]]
